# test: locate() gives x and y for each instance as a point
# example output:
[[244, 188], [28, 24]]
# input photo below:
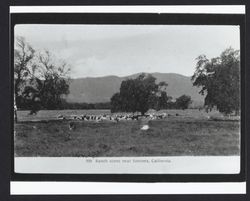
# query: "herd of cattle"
[[116, 117]]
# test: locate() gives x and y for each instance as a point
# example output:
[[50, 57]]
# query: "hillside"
[[100, 89]]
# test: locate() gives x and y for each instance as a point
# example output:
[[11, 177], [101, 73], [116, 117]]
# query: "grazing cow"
[[73, 116], [83, 117], [60, 116], [135, 117]]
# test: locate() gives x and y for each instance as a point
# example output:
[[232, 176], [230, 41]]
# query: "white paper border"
[[74, 188], [206, 9]]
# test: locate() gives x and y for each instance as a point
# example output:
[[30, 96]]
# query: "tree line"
[[41, 81], [182, 102]]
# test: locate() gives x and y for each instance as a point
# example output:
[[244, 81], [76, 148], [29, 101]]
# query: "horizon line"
[[124, 76]]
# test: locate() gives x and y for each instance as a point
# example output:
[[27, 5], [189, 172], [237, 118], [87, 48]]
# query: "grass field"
[[189, 134]]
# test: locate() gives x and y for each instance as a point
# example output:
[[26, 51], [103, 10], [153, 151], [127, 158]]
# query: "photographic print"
[[112, 98]]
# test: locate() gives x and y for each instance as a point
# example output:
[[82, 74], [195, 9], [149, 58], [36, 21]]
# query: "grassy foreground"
[[174, 136]]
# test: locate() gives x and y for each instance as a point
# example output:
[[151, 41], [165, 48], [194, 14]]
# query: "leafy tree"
[[40, 80], [183, 102], [163, 100], [116, 103], [136, 95], [160, 101], [219, 79], [49, 84], [23, 67], [31, 99]]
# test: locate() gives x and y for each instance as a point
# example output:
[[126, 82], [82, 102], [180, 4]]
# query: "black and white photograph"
[[133, 100], [140, 99]]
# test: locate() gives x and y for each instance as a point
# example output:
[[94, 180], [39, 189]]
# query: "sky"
[[121, 50]]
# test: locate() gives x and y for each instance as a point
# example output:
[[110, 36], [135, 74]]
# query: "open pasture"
[[190, 133]]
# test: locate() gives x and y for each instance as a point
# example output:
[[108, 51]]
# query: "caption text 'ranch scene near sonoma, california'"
[[126, 90]]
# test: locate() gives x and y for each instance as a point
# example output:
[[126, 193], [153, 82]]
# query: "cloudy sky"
[[100, 50]]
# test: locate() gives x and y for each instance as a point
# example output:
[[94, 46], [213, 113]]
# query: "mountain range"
[[101, 89]]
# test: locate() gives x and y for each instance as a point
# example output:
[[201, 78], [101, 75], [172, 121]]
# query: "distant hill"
[[100, 89]]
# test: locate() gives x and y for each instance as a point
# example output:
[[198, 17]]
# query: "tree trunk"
[[15, 110], [15, 116]]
